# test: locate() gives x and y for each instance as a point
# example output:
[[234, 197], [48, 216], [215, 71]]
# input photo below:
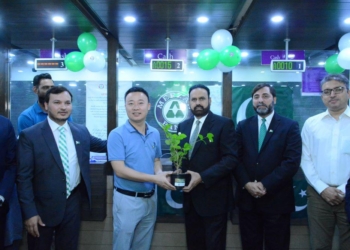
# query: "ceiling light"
[[58, 19], [321, 63], [57, 55], [194, 62], [347, 20], [195, 54], [30, 62], [277, 19], [262, 72], [148, 55], [202, 19], [20, 71], [11, 55], [244, 54], [129, 19], [73, 84], [291, 56]]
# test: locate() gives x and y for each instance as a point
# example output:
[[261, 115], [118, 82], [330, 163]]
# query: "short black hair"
[[38, 78], [263, 85], [336, 77], [57, 90], [136, 89], [199, 86]]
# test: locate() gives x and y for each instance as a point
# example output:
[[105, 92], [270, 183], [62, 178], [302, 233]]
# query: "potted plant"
[[178, 153]]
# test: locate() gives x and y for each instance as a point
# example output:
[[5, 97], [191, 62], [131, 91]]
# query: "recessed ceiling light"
[[291, 56], [73, 84], [20, 71], [30, 62], [347, 20], [244, 54], [194, 62], [277, 19], [129, 19], [262, 72], [202, 19], [195, 54], [57, 55], [58, 19], [321, 63], [148, 55], [11, 55]]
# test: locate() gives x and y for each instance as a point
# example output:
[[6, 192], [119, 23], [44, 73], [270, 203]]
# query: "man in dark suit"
[[7, 171], [53, 173], [269, 147], [209, 196]]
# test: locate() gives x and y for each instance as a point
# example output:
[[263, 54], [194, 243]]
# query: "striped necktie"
[[193, 138], [62, 146], [262, 132]]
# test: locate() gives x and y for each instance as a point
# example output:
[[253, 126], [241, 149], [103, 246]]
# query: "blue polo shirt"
[[31, 116], [137, 151]]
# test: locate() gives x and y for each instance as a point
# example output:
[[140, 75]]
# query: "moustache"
[[199, 106]]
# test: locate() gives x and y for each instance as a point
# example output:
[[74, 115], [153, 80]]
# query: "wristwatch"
[[2, 200]]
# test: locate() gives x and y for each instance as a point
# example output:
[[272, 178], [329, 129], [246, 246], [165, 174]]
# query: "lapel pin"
[[271, 131], [77, 142]]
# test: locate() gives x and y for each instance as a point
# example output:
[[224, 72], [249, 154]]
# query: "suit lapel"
[[271, 130], [253, 126], [51, 143], [206, 127], [77, 140]]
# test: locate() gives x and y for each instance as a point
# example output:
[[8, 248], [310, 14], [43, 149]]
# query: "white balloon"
[[221, 39], [224, 68], [94, 61], [344, 42], [344, 58]]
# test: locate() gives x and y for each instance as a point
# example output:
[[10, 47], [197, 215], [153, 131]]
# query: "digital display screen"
[[166, 65], [288, 65]]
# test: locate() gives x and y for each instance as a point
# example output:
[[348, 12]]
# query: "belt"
[[135, 194]]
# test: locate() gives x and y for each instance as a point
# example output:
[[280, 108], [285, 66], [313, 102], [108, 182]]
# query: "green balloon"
[[332, 66], [230, 56], [87, 42], [74, 61], [208, 59]]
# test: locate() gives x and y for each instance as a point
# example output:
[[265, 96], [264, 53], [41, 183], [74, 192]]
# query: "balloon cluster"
[[337, 63], [88, 57], [224, 55]]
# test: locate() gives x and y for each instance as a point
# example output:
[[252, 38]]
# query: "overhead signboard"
[[268, 55], [166, 65], [288, 65], [49, 64]]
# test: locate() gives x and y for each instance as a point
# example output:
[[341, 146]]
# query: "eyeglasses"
[[336, 90]]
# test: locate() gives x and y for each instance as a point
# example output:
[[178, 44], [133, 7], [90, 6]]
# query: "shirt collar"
[[202, 119], [346, 112], [131, 128], [54, 126], [38, 109], [268, 118]]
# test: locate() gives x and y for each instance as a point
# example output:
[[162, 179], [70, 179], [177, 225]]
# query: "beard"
[[200, 111], [264, 110]]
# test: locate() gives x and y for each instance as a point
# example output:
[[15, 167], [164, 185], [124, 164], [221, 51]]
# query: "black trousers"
[[264, 231], [3, 212], [66, 233], [205, 233]]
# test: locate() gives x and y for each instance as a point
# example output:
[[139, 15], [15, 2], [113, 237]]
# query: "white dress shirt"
[[74, 170], [326, 150]]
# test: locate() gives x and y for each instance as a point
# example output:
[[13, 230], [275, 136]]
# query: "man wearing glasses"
[[326, 164]]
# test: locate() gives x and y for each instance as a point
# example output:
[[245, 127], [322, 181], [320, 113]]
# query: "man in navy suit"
[[7, 171], [265, 194], [209, 196], [53, 174]]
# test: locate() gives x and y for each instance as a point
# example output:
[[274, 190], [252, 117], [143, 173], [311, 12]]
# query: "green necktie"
[[262, 132], [62, 147]]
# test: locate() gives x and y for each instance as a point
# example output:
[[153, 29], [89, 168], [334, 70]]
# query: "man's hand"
[[32, 225], [256, 189], [195, 180], [162, 179], [333, 196]]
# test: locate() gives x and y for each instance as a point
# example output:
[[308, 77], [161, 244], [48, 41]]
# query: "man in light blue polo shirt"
[[134, 150]]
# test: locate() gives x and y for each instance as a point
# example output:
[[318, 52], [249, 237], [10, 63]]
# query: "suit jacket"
[[347, 199], [41, 178], [214, 162], [274, 166], [7, 158]]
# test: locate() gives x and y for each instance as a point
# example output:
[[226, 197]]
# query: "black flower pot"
[[180, 180]]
